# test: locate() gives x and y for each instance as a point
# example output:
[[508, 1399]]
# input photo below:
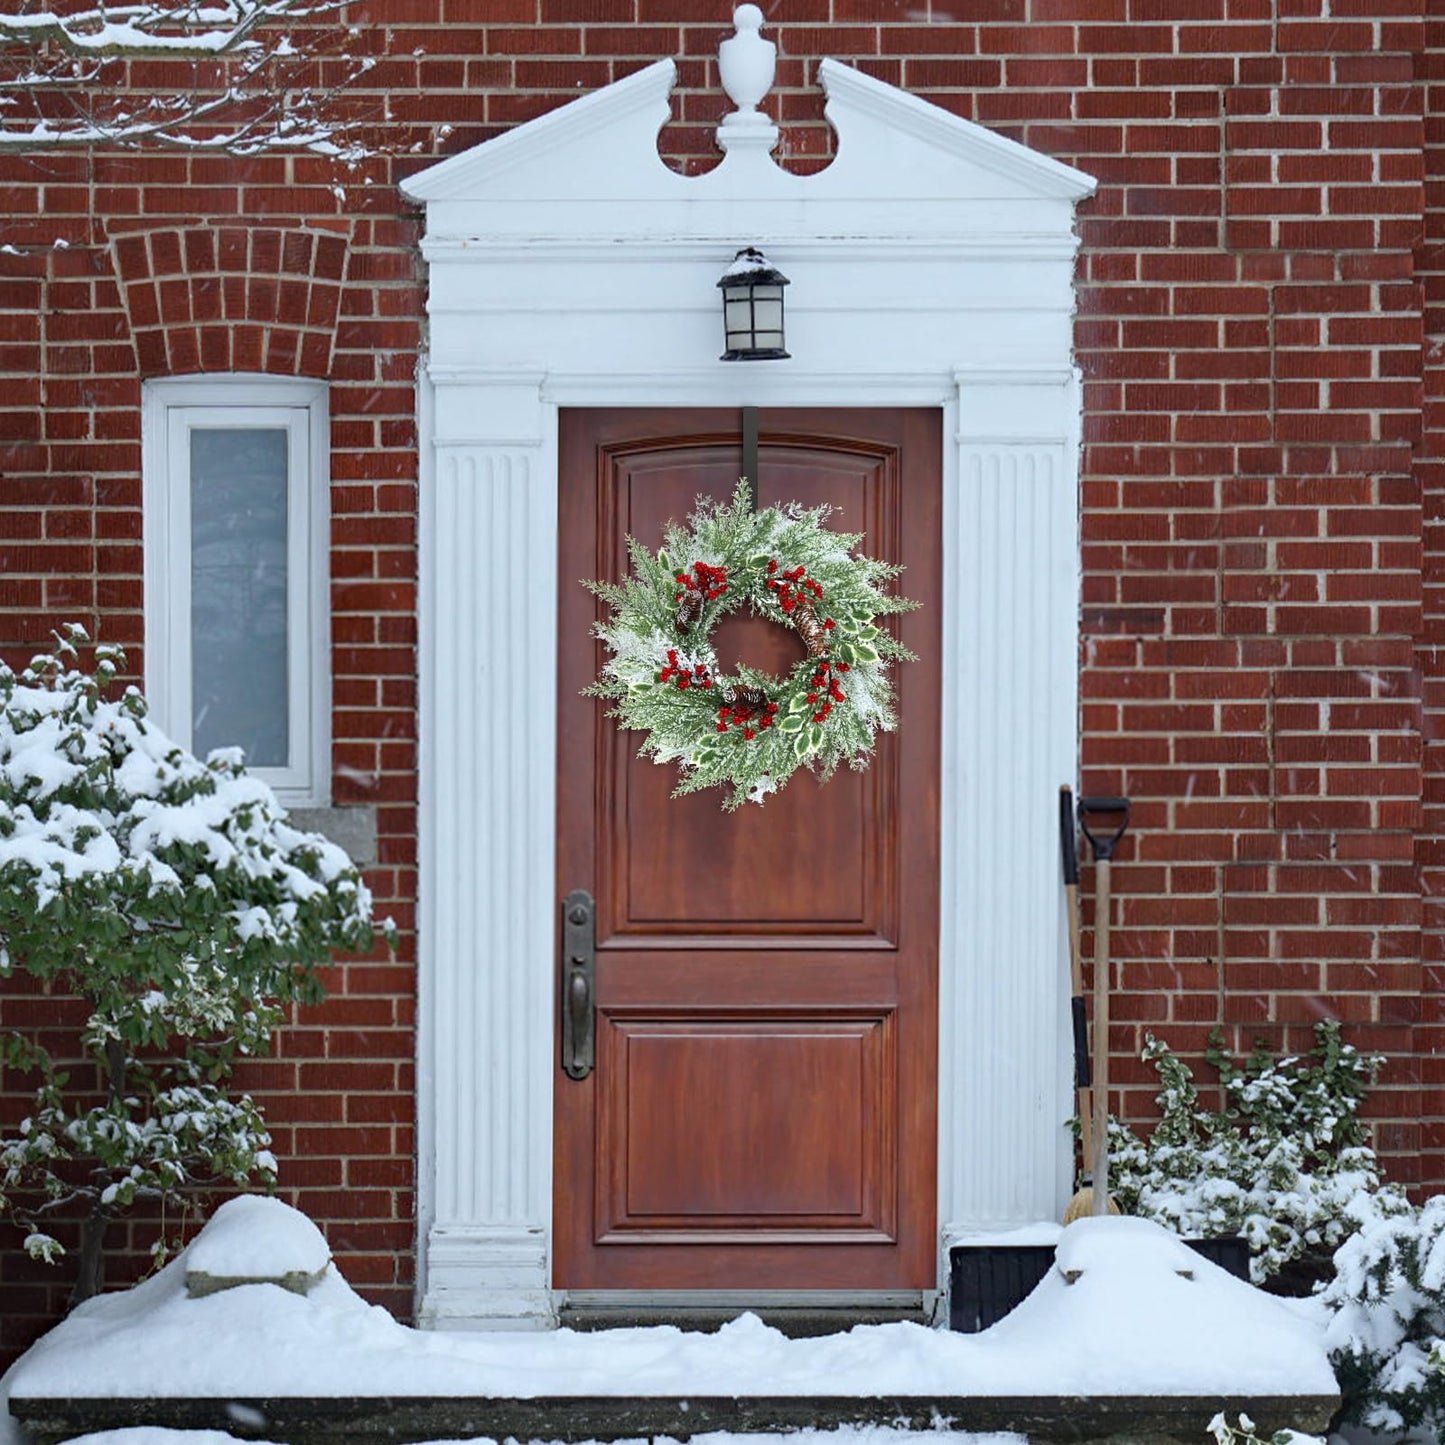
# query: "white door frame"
[[932, 266]]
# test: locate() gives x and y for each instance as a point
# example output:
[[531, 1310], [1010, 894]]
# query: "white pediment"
[[568, 239], [591, 169]]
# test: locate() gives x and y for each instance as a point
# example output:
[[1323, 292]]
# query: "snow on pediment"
[[591, 168]]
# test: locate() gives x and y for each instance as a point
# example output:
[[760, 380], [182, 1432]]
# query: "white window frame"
[[171, 407]]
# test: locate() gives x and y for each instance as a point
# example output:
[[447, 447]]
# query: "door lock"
[[579, 969]]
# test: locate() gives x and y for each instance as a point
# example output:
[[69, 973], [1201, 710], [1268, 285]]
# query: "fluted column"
[[1010, 706], [488, 644]]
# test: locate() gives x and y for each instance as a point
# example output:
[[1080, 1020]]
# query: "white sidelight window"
[[236, 512]]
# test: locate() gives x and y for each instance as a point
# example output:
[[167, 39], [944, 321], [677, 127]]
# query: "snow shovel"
[[1100, 811], [1083, 1101]]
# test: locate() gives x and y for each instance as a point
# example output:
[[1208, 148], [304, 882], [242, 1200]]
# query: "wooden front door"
[[762, 1113]]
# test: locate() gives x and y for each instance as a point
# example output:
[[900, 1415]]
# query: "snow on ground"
[[1127, 1310]]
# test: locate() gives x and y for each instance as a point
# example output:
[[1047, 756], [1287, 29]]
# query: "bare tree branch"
[[65, 77]]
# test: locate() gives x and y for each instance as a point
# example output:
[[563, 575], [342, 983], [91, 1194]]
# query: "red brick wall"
[[1260, 269], [1430, 472], [162, 286]]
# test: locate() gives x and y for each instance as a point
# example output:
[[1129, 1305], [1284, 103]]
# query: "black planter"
[[1300, 1277], [985, 1281]]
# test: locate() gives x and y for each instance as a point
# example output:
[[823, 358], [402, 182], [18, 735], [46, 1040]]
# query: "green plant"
[[174, 899], [1245, 1433], [1279, 1164]]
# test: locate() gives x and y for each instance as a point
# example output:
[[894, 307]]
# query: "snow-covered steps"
[[360, 1420], [1130, 1332]]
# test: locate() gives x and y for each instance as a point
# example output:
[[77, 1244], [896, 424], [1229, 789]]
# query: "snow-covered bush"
[[1386, 1332], [172, 898], [1280, 1164]]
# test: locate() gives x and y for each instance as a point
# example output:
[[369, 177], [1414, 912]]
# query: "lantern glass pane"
[[768, 313], [738, 315]]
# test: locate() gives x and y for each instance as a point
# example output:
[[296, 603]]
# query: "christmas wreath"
[[750, 730]]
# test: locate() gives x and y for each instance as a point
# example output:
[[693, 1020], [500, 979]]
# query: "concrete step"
[[362, 1420]]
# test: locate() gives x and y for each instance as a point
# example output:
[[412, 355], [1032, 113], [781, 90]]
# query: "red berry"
[[749, 733], [773, 565], [682, 682], [829, 624], [842, 667], [721, 728], [817, 717], [707, 682]]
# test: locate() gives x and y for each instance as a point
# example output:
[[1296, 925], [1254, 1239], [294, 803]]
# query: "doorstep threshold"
[[796, 1313], [368, 1420]]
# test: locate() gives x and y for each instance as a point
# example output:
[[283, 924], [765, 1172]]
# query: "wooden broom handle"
[[1101, 1041]]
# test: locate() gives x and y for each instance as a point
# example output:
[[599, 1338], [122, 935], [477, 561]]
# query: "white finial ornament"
[[746, 63]]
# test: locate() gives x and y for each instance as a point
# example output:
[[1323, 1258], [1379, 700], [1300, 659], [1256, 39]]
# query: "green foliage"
[[1279, 1164], [1245, 1433], [681, 725], [174, 899]]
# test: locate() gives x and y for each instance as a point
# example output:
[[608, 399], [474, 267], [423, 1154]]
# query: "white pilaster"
[[488, 645], [1010, 706]]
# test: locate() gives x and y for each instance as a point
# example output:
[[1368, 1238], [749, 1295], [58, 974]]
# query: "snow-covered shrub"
[[171, 897], [1280, 1164], [1386, 1331]]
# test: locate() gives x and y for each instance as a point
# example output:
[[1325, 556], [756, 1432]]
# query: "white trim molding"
[[931, 265], [173, 411]]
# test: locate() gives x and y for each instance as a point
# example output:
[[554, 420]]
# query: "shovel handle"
[[1103, 841], [1068, 844], [1101, 1041], [1069, 854]]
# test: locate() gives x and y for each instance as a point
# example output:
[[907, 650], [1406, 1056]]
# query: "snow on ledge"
[[1131, 1323], [254, 1239]]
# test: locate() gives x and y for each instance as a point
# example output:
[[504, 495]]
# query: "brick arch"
[[231, 298]]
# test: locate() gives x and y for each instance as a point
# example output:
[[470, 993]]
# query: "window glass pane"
[[238, 592]]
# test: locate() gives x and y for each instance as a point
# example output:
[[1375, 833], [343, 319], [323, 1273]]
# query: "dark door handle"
[[579, 962]]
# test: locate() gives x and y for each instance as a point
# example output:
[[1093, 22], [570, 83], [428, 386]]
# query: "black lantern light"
[[752, 289]]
